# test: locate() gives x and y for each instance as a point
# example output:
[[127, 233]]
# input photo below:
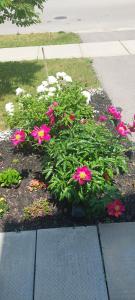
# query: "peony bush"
[[81, 154], [81, 164]]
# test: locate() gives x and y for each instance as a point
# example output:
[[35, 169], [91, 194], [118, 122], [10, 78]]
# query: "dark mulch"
[[30, 167]]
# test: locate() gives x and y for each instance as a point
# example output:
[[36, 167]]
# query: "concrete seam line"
[[122, 44], [45, 61], [81, 51], [103, 261], [35, 261], [38, 49]]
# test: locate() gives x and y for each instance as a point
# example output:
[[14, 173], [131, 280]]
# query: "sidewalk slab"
[[68, 265], [116, 75], [118, 246], [17, 253], [102, 49], [19, 53], [61, 51]]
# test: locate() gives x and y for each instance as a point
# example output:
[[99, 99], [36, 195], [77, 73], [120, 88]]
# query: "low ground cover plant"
[[39, 208], [9, 177], [81, 152]]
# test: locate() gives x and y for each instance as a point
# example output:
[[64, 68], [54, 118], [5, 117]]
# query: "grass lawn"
[[29, 75], [38, 39]]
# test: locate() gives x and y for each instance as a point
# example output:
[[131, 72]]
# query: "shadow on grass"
[[14, 74]]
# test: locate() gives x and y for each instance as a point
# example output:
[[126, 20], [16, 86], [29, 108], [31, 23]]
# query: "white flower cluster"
[[49, 87], [9, 108], [87, 95], [19, 91], [52, 84], [46, 89], [63, 76]]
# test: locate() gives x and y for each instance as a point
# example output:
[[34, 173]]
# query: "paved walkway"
[[82, 263], [102, 49], [117, 77]]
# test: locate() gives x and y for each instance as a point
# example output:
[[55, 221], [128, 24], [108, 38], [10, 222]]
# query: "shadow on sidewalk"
[[17, 262]]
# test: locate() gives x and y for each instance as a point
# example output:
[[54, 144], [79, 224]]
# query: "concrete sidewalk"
[[117, 77], [102, 49], [52, 264], [82, 263]]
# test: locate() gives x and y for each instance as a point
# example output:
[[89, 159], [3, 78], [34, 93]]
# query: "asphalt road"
[[82, 16]]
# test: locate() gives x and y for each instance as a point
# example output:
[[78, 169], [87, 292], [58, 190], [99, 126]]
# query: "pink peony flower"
[[117, 115], [50, 112], [132, 127], [41, 133], [112, 110], [122, 129], [102, 118], [18, 137], [52, 120], [82, 175], [115, 208]]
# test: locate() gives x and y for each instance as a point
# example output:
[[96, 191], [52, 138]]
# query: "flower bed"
[[71, 151]]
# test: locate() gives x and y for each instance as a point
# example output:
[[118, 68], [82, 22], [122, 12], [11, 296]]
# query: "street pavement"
[[122, 35], [82, 16]]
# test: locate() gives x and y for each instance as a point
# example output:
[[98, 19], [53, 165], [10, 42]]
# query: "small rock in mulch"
[[5, 135]]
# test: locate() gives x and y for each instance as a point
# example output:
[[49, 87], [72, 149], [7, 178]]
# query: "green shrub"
[[91, 145], [3, 206], [28, 112], [9, 178]]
